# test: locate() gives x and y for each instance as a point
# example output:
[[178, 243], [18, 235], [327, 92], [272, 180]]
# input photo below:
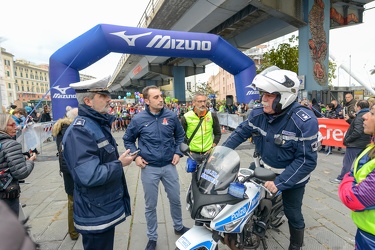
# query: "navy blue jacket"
[[297, 127], [159, 136], [101, 198]]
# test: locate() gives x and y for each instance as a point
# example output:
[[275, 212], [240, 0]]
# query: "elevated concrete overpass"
[[243, 23]]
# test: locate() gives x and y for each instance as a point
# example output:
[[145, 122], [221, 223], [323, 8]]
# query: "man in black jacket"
[[355, 139], [349, 107]]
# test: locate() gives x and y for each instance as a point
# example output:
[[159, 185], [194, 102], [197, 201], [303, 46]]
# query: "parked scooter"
[[229, 203]]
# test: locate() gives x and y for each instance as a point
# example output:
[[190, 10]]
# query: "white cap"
[[94, 85]]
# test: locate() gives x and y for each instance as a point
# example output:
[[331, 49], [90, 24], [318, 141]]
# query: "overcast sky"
[[34, 30], [355, 47]]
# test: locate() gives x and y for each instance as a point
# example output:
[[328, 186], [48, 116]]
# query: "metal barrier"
[[230, 120], [33, 136]]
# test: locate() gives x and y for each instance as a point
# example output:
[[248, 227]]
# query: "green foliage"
[[372, 72], [285, 56], [203, 88], [331, 71]]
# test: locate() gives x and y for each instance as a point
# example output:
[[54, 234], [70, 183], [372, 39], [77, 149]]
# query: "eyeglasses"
[[202, 101], [12, 125]]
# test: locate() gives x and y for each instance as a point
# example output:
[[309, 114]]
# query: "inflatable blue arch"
[[103, 39]]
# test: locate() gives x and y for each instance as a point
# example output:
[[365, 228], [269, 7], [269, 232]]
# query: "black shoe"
[[151, 245], [181, 231]]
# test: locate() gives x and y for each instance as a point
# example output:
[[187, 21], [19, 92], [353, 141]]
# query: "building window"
[[188, 85], [9, 85], [23, 89], [15, 73]]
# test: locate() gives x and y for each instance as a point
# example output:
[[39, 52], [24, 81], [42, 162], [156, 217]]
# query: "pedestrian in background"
[[371, 101], [202, 128], [337, 109], [13, 165], [357, 187], [58, 131], [32, 115], [285, 134], [349, 106], [46, 115], [17, 117], [101, 198], [159, 134], [355, 139], [315, 107]]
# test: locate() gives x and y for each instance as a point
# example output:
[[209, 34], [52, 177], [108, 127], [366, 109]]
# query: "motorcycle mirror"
[[184, 148]]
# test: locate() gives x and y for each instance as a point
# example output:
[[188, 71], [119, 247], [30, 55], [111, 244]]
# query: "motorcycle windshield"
[[219, 170]]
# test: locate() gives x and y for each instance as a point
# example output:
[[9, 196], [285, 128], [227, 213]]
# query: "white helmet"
[[284, 83]]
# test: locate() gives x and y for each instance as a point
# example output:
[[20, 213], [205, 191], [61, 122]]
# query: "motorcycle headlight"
[[232, 225], [211, 211]]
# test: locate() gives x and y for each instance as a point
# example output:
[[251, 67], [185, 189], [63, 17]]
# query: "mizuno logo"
[[60, 96], [130, 39], [252, 91], [166, 42], [61, 90]]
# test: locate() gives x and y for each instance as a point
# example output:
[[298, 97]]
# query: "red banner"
[[333, 131]]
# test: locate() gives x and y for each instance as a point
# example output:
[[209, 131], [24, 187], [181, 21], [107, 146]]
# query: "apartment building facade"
[[22, 82]]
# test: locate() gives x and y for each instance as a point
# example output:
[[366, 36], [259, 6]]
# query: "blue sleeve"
[[239, 135], [305, 156], [81, 154], [131, 135], [179, 135]]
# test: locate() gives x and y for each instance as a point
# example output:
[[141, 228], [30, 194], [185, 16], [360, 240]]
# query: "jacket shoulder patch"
[[79, 122], [303, 115]]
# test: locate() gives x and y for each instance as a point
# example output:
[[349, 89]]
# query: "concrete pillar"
[[179, 83], [314, 45]]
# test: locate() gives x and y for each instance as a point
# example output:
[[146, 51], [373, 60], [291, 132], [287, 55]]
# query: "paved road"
[[328, 223]]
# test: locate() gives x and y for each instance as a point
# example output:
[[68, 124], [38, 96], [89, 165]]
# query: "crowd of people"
[[92, 167], [357, 175]]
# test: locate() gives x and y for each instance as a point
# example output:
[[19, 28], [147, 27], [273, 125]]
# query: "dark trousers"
[[347, 162], [292, 201], [102, 241], [13, 204]]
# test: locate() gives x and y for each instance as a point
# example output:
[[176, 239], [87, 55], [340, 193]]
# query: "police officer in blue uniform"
[[101, 198], [285, 135]]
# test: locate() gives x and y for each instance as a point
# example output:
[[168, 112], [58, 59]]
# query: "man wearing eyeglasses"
[[202, 127]]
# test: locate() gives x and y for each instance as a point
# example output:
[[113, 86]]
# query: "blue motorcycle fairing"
[[242, 213]]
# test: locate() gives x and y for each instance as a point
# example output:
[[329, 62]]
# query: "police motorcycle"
[[228, 203]]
